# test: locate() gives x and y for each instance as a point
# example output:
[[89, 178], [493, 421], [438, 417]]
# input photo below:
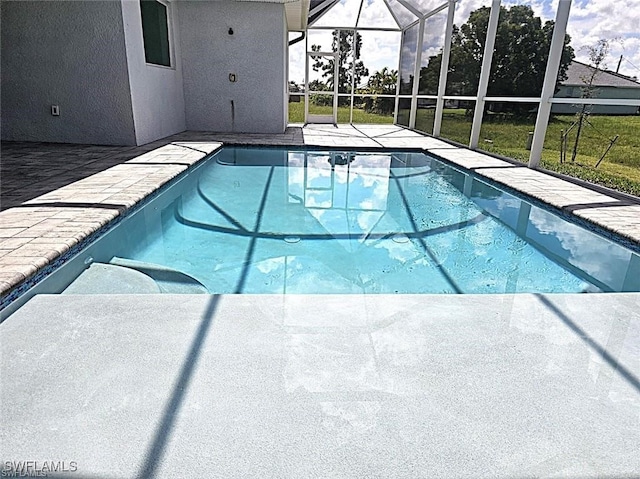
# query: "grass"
[[296, 114], [507, 136]]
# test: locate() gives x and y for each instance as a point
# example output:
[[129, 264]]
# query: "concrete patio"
[[141, 386], [504, 386]]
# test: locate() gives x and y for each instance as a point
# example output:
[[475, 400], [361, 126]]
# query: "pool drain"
[[400, 238]]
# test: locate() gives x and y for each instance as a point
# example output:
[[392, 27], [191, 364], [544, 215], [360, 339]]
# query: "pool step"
[[125, 276], [101, 278], [168, 280]]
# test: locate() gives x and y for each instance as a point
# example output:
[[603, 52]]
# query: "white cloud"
[[343, 14], [590, 20], [296, 60], [586, 250], [593, 20], [376, 14], [379, 50], [464, 9]]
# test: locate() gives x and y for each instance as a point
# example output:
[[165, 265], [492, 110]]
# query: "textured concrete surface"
[[325, 386]]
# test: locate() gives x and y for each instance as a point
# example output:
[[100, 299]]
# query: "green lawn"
[[296, 114], [508, 136]]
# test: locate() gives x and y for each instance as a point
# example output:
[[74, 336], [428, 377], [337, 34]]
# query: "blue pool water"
[[255, 220]]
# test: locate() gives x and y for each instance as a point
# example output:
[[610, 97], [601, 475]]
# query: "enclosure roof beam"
[[321, 10], [321, 7], [435, 10], [360, 29], [386, 2], [411, 8], [415, 22], [358, 17]]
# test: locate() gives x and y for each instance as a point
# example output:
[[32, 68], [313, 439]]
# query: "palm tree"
[[382, 82]]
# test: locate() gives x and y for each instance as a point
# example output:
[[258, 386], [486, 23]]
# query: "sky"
[[590, 20]]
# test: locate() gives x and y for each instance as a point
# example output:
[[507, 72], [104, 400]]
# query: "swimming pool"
[[266, 220]]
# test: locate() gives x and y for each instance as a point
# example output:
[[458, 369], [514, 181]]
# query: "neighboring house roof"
[[578, 74]]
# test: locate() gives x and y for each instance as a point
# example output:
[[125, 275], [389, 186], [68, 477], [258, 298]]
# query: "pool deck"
[[313, 386], [271, 386]]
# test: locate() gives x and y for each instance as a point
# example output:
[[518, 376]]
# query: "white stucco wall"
[[71, 54], [157, 96], [255, 52]]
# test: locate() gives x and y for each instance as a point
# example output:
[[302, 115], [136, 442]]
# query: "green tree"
[[319, 98], [382, 82], [347, 55], [519, 59], [294, 87]]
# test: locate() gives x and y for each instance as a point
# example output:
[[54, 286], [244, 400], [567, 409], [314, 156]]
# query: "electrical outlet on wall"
[[55, 110]]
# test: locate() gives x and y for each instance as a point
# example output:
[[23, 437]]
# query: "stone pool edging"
[[38, 233]]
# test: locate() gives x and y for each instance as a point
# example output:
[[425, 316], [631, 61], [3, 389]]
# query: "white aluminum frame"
[[544, 101], [320, 7], [550, 77], [444, 68], [393, 14], [483, 83], [397, 105], [321, 118], [411, 8], [416, 76], [597, 101], [362, 29], [415, 86]]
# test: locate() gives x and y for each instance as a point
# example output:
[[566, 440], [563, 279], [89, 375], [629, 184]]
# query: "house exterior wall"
[[157, 95], [255, 53], [88, 58], [568, 91], [70, 54]]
